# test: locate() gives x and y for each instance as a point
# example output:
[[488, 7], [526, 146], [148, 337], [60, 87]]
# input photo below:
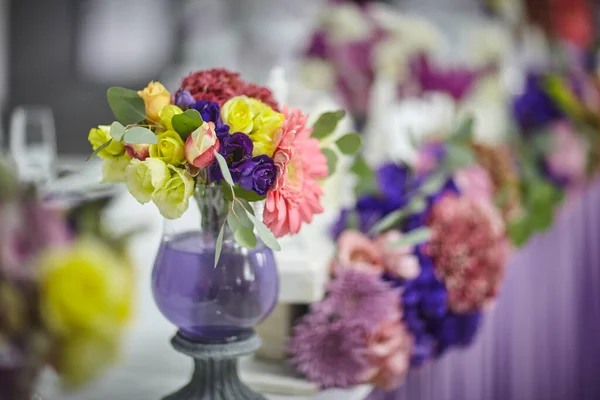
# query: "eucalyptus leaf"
[[458, 156], [327, 123], [117, 131], [361, 169], [412, 238], [349, 144], [249, 195], [227, 193], [140, 135], [241, 215], [464, 133], [127, 105], [99, 149], [332, 160], [265, 234], [245, 237], [417, 205], [219, 245], [224, 168], [247, 206], [434, 183], [186, 123]]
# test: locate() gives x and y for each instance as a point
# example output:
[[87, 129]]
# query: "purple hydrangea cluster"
[[257, 174]]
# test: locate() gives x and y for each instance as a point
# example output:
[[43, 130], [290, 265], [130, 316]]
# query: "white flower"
[[346, 23]]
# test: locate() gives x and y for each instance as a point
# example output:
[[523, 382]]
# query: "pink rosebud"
[[139, 151], [201, 145], [356, 250]]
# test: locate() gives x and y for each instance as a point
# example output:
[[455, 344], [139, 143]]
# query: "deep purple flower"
[[534, 108], [328, 349], [183, 99], [457, 82], [211, 112], [393, 182], [318, 45], [237, 150], [362, 296], [259, 174]]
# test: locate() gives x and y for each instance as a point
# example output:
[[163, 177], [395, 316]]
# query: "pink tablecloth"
[[542, 339]]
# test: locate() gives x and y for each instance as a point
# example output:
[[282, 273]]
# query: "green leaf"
[[458, 157], [327, 123], [99, 149], [227, 191], [140, 135], [349, 144], [245, 237], [434, 183], [563, 95], [219, 245], [249, 195], [464, 133], [186, 123], [332, 160], [247, 206], [117, 131], [418, 204], [361, 169], [241, 215], [224, 168], [417, 236], [265, 234], [127, 106], [519, 231]]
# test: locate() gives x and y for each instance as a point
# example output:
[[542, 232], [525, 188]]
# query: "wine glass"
[[33, 143]]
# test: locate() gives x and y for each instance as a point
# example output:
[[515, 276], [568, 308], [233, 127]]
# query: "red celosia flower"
[[220, 85], [469, 250]]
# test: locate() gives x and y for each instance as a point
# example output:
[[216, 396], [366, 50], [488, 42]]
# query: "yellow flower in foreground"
[[167, 113], [238, 114], [155, 96], [170, 148], [266, 124], [113, 169], [86, 287], [172, 199], [100, 135], [144, 178], [82, 357]]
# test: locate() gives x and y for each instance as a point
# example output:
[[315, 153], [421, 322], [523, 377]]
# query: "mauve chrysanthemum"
[[469, 250], [219, 85], [363, 296], [329, 350]]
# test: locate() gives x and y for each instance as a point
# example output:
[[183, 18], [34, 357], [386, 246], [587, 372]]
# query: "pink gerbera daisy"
[[295, 197]]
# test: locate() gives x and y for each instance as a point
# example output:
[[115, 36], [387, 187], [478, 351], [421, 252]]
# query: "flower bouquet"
[[419, 259], [66, 290]]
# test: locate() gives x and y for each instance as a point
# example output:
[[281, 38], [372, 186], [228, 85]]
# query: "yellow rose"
[[155, 98], [100, 135], [167, 113], [266, 124], [144, 178], [113, 169], [170, 148], [172, 199], [83, 356], [85, 287], [238, 114]]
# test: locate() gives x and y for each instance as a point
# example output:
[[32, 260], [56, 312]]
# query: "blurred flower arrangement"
[[66, 289], [217, 129]]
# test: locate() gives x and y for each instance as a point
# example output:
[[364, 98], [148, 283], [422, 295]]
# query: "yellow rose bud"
[[83, 356], [85, 287], [237, 113], [172, 199], [266, 124], [113, 169], [170, 148], [98, 136], [167, 113], [144, 178], [155, 98]]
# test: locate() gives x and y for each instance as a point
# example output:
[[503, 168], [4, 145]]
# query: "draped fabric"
[[541, 340]]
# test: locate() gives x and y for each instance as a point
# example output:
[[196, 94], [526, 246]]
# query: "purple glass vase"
[[208, 303]]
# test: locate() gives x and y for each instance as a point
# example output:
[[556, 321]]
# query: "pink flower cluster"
[[358, 251], [469, 250], [219, 85]]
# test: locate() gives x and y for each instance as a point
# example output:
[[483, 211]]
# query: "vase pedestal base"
[[215, 374]]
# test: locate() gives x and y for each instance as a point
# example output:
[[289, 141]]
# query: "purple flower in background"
[[393, 181], [211, 112], [329, 350], [237, 150], [183, 99], [534, 108], [318, 45], [259, 174], [363, 297], [457, 82]]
